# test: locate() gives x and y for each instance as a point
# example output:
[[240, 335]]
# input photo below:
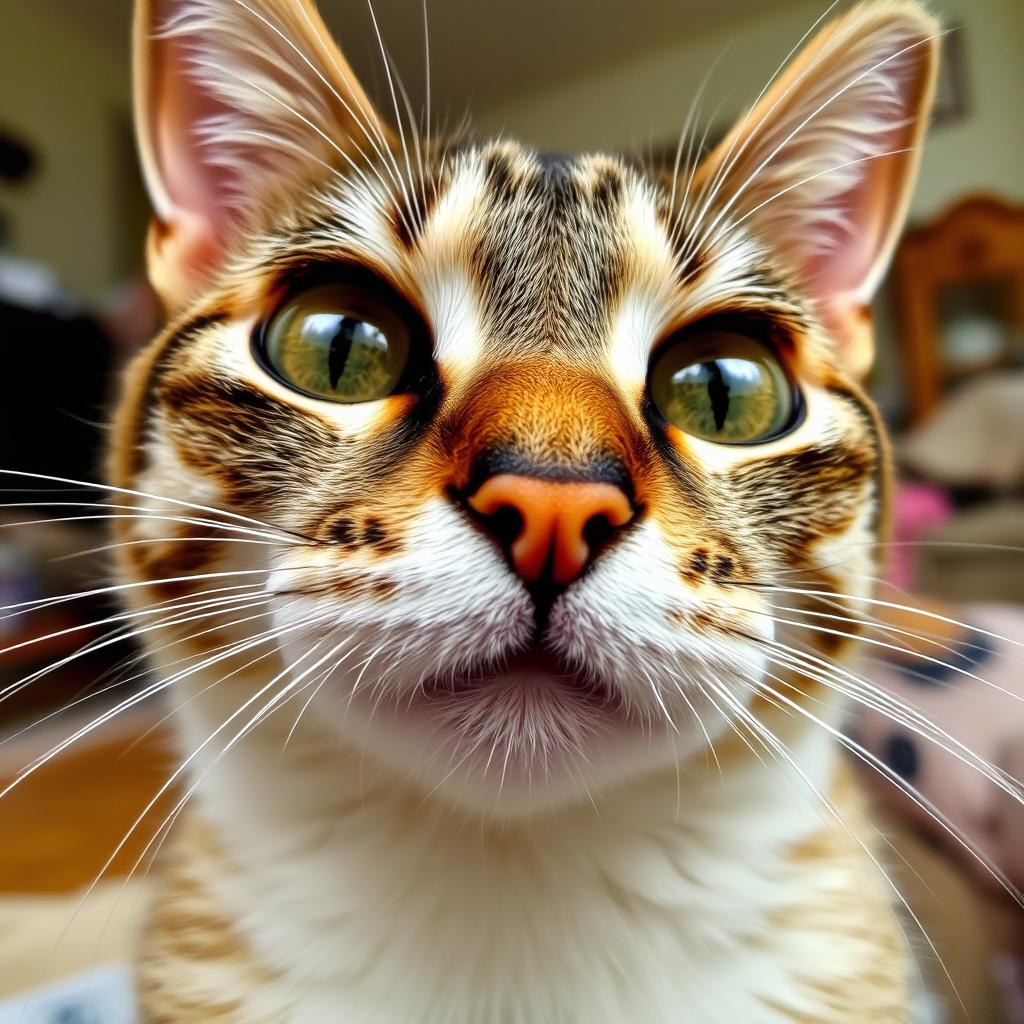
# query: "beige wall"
[[63, 93], [985, 151], [646, 98], [64, 90]]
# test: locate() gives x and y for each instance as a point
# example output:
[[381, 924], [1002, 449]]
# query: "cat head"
[[524, 454]]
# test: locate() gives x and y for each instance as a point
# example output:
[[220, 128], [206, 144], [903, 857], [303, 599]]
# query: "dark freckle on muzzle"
[[723, 568], [351, 534], [695, 567], [374, 532], [717, 561], [379, 538], [342, 531]]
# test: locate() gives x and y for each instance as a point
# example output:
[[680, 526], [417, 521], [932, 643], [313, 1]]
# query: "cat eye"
[[723, 386], [341, 342]]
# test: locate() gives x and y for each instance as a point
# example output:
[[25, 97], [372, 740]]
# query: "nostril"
[[505, 524], [549, 529], [597, 532]]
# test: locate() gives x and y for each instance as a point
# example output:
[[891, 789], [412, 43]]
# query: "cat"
[[482, 495]]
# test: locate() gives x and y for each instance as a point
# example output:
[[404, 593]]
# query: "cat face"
[[525, 440]]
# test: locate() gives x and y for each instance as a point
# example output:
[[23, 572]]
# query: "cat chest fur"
[[322, 897], [484, 502]]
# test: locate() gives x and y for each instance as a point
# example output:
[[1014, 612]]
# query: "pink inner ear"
[[841, 261], [844, 260], [197, 190], [847, 255], [840, 270]]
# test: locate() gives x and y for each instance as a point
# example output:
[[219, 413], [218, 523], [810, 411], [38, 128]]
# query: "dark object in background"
[[54, 384], [17, 164], [55, 374], [17, 160]]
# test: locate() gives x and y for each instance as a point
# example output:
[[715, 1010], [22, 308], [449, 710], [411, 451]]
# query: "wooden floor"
[[59, 827]]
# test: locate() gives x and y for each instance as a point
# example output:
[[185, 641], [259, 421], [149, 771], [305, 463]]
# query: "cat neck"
[[371, 885]]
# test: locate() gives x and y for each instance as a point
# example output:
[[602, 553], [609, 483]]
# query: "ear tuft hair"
[[237, 102], [823, 166]]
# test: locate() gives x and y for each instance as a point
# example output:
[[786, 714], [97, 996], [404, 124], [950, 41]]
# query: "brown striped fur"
[[544, 284]]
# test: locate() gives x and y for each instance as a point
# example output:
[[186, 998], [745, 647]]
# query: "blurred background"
[[577, 74]]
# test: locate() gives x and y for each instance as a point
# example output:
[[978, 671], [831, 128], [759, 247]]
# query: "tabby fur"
[[692, 852]]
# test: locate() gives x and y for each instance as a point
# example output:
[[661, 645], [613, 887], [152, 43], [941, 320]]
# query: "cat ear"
[[236, 102], [823, 166]]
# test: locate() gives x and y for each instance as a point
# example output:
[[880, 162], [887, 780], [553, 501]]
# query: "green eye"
[[338, 342], [723, 387]]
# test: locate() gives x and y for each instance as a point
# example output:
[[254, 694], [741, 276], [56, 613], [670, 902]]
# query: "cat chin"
[[519, 741], [482, 714]]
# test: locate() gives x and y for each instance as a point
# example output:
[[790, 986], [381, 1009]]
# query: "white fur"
[[378, 907], [375, 904], [380, 876], [457, 606]]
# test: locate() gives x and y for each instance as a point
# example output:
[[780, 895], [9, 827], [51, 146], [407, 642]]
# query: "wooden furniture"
[[958, 285], [61, 825]]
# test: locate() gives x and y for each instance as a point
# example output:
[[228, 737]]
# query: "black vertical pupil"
[[718, 393], [341, 347]]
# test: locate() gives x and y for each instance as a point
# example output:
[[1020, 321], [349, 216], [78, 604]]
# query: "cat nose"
[[550, 526]]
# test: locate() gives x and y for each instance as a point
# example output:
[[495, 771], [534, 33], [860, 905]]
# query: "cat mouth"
[[533, 706], [531, 668]]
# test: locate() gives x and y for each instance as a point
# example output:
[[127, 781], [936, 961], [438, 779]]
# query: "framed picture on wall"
[[958, 283], [952, 92]]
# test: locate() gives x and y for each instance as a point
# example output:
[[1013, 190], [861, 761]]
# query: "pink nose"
[[556, 518]]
